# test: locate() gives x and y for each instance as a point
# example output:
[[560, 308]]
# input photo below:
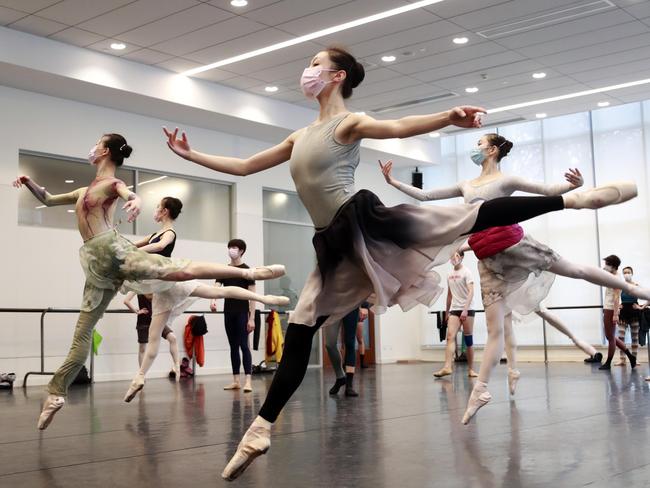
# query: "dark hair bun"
[[357, 74], [174, 205], [507, 146], [126, 150]]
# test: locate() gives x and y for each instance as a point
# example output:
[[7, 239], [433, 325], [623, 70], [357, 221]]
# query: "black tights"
[[297, 345]]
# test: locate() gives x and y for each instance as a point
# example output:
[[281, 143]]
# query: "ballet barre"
[[440, 313], [44, 311]]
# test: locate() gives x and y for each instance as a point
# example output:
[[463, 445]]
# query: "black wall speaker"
[[416, 179]]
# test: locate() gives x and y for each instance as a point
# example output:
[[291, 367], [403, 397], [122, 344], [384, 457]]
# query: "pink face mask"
[[311, 82]]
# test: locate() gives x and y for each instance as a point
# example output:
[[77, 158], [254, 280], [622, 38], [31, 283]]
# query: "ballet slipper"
[[279, 301], [601, 196], [256, 441], [53, 404], [479, 398], [620, 362], [265, 272], [443, 372], [513, 378], [247, 387], [136, 385], [232, 386], [472, 374]]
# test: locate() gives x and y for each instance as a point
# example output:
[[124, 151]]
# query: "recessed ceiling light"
[[471, 89], [388, 59], [69, 181], [460, 40], [603, 104], [118, 46], [271, 89], [540, 115], [314, 35], [539, 76], [239, 3], [568, 96], [434, 134]]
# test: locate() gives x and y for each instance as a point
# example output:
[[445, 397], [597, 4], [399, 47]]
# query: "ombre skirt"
[[384, 255]]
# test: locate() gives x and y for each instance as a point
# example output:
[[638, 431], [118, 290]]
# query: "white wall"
[[41, 267]]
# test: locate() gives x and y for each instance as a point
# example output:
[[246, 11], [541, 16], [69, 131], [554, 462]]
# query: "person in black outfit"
[[239, 317]]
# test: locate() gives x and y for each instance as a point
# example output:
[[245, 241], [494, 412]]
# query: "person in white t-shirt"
[[459, 312]]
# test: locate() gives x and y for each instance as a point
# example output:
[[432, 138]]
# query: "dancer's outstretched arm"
[[573, 178], [44, 196], [233, 166], [358, 126], [133, 203], [417, 193]]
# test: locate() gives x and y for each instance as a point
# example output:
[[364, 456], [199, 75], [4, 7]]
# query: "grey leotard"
[[323, 169]]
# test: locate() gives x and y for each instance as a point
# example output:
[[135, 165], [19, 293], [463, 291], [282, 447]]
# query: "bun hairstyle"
[[118, 147], [502, 144], [354, 72], [173, 205]]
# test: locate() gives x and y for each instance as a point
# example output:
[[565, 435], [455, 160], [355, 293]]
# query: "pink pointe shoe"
[[256, 441], [478, 399], [53, 404]]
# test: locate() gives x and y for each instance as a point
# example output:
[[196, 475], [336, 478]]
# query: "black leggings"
[[297, 344], [238, 339]]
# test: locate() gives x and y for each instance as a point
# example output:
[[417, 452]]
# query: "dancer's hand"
[[467, 116], [132, 208], [615, 319], [574, 177], [179, 146], [386, 171], [20, 181], [250, 327], [213, 305], [363, 314], [463, 316], [143, 311]]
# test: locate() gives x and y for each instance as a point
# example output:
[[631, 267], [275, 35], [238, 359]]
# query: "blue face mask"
[[477, 156]]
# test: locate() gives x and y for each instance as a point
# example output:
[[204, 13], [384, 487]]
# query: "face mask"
[[233, 252], [91, 155], [627, 276], [311, 82], [477, 156]]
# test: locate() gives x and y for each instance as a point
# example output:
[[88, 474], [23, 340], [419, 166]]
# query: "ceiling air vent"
[[414, 103], [546, 18]]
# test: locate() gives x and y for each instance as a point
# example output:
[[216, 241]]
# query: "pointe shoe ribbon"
[[53, 404], [255, 442]]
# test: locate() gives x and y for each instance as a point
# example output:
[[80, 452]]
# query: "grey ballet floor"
[[568, 425]]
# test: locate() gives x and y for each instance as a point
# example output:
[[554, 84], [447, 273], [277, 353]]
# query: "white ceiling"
[[604, 47]]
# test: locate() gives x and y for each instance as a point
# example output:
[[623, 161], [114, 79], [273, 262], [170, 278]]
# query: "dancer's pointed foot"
[[136, 385], [443, 372], [479, 398], [279, 301], [256, 441], [265, 272], [177, 372], [596, 358], [601, 196], [632, 361], [472, 374], [232, 386], [513, 378], [53, 404]]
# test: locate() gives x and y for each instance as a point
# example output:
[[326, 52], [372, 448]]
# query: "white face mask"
[[311, 82], [234, 253], [627, 276], [91, 154]]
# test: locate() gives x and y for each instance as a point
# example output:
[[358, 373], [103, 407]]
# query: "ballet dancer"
[[629, 316], [516, 271], [332, 333], [363, 248], [163, 243], [459, 313], [108, 259]]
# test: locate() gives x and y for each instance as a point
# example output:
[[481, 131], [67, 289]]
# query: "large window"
[[206, 204], [288, 231]]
